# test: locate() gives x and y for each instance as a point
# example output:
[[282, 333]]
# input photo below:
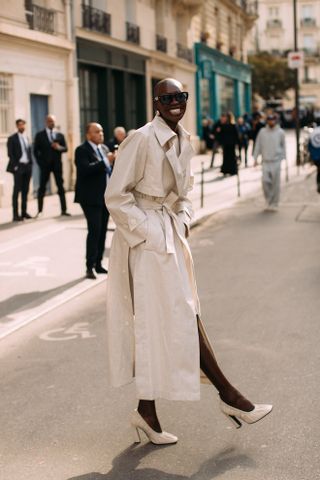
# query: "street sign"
[[295, 60]]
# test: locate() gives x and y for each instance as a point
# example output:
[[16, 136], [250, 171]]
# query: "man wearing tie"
[[20, 165], [49, 145], [94, 166]]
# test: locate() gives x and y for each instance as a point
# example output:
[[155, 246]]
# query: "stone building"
[[220, 32], [275, 34], [98, 60], [36, 76], [123, 48]]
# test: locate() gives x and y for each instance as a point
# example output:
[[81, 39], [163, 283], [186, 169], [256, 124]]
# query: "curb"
[[21, 319]]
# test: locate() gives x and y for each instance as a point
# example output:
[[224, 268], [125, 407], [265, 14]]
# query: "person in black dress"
[[227, 136]]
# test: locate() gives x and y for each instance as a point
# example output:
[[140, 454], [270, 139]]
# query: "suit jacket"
[[43, 151], [92, 175], [15, 153]]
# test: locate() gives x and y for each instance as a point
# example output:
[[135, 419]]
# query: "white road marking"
[[6, 247], [38, 264], [13, 274], [62, 334], [20, 319]]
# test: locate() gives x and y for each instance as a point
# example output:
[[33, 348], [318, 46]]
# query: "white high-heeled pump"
[[138, 423], [235, 415]]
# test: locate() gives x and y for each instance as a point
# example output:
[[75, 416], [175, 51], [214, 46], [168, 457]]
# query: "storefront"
[[112, 87], [223, 84]]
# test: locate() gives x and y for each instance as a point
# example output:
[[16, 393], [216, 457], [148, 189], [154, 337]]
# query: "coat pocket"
[[156, 240]]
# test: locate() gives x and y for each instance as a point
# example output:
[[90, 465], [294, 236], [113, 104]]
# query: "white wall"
[[39, 71]]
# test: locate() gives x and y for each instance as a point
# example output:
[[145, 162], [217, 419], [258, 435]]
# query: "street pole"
[[202, 186], [297, 102]]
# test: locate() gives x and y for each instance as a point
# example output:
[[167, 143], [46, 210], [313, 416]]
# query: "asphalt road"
[[258, 278]]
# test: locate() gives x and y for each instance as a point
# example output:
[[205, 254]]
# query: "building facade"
[[36, 77], [220, 33], [275, 34], [98, 60], [123, 48]]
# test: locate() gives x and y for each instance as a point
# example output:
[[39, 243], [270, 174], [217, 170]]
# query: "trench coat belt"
[[165, 204]]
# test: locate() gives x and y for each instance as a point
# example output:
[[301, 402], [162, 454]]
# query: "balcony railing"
[[39, 18], [95, 19], [161, 43], [274, 23], [308, 22], [311, 52], [249, 6], [133, 33], [184, 52]]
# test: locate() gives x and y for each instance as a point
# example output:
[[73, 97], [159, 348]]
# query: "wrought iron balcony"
[[274, 23], [133, 33], [249, 6], [161, 43], [308, 22], [184, 52], [39, 18], [95, 19]]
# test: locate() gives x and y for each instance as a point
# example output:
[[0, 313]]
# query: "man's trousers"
[[45, 170], [21, 184], [97, 217], [271, 177]]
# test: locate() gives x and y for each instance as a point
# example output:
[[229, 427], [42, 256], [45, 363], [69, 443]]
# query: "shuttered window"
[[5, 103]]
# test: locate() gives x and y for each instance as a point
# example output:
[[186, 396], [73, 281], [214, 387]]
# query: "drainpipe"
[[73, 107]]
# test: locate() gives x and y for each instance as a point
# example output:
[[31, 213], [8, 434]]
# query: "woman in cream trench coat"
[[154, 332]]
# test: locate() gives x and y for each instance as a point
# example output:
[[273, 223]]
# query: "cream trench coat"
[[152, 301]]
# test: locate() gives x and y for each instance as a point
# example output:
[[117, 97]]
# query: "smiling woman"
[[154, 331]]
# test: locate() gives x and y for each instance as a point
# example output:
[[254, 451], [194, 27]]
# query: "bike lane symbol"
[[78, 330]]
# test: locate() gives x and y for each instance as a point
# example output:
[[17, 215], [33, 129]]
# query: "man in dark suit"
[[20, 165], [93, 161], [49, 145]]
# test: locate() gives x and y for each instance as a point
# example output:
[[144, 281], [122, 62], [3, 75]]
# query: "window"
[[308, 43], [226, 93], [89, 101], [307, 11], [273, 12], [130, 11], [5, 103], [274, 42]]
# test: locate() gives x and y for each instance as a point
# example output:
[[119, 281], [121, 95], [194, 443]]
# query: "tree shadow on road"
[[126, 466]]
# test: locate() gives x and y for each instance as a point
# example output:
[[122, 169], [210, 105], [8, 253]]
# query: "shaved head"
[[50, 121], [94, 133], [163, 85]]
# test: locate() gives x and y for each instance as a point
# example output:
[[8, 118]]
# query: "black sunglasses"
[[180, 97]]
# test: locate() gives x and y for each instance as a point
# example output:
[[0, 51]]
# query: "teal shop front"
[[222, 84]]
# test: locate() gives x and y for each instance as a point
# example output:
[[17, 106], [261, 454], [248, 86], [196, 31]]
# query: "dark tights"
[[210, 367]]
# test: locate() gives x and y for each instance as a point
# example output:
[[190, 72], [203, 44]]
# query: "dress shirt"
[[100, 153], [24, 148], [51, 135]]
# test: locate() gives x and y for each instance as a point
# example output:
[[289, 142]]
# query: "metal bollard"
[[202, 185], [287, 171]]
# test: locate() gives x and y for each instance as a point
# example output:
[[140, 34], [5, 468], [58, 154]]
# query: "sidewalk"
[[42, 260]]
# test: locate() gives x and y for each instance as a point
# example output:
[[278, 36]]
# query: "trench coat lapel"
[[179, 163]]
